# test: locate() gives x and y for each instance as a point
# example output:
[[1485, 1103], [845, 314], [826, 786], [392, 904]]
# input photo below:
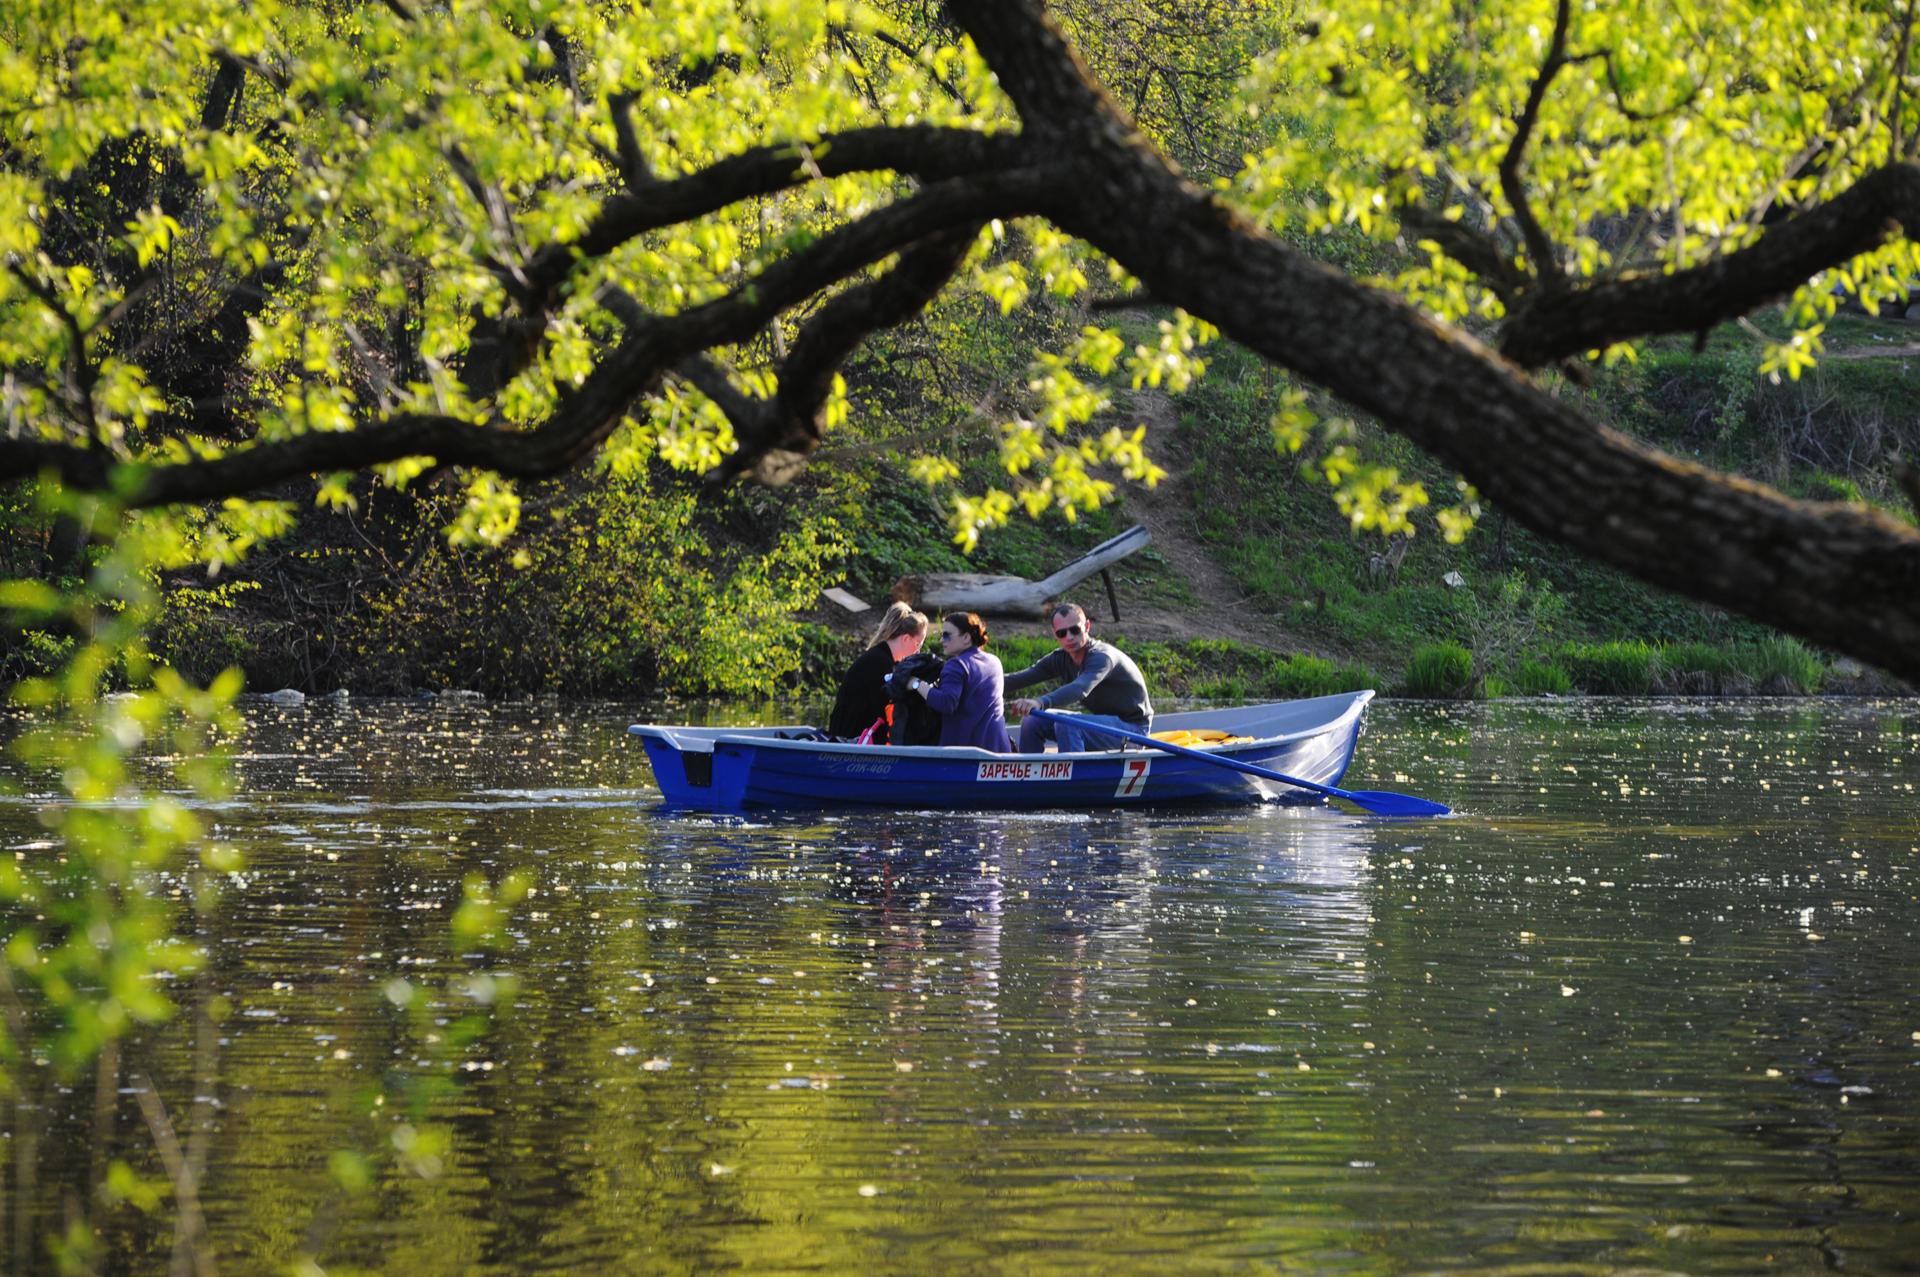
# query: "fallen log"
[[938, 592]]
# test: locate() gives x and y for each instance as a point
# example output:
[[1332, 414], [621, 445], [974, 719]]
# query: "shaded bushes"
[[1783, 664], [1223, 670], [1701, 669]]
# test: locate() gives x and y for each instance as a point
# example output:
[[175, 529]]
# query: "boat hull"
[[771, 768]]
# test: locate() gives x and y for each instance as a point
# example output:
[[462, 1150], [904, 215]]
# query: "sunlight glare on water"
[[1644, 1005]]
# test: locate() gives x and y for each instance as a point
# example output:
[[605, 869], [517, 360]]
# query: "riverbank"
[[1213, 669]]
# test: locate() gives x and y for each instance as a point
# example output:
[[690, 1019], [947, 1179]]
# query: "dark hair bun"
[[971, 623]]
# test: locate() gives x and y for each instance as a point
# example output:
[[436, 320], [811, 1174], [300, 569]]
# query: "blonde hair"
[[897, 620]]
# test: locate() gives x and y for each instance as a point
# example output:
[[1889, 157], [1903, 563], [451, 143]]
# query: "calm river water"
[[1646, 1005]]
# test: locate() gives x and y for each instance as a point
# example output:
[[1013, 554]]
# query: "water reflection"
[[1646, 1005]]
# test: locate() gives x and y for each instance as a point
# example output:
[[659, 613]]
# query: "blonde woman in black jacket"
[[862, 702]]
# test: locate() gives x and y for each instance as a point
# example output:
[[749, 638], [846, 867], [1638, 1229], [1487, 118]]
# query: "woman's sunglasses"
[[1071, 631]]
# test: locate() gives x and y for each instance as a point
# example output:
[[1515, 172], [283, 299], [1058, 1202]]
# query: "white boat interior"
[[1266, 724]]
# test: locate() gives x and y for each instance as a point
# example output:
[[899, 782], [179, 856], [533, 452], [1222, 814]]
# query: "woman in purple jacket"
[[968, 695]]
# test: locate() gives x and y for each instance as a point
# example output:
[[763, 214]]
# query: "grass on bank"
[[1773, 666]]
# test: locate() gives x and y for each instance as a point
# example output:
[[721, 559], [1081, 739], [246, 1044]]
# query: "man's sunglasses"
[[1072, 631]]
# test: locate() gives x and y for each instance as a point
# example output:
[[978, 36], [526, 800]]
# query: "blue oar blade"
[[1385, 803]]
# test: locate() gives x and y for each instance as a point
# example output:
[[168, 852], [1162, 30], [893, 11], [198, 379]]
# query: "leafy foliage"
[[1653, 137], [611, 588], [86, 941]]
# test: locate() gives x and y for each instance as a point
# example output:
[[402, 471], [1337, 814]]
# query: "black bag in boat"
[[914, 721]]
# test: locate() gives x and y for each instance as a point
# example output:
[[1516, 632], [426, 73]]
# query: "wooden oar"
[[1378, 801]]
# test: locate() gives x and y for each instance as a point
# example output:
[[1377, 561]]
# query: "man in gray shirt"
[[1101, 677]]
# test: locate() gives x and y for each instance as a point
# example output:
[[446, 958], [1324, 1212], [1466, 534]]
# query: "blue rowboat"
[[731, 769]]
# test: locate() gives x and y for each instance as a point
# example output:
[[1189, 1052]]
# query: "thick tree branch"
[[633, 164], [502, 347], [927, 152], [1549, 327], [223, 92], [712, 379], [1844, 576], [792, 424]]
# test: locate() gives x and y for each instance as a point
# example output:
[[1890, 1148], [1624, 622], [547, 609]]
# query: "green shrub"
[[1701, 669], [1439, 669], [33, 653], [1822, 486], [1161, 664], [1609, 669], [1783, 664], [1299, 677], [1016, 651], [1227, 687], [616, 587], [1541, 678]]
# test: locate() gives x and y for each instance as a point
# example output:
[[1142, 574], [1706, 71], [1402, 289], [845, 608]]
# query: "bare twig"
[[81, 374], [1539, 247], [493, 202], [952, 90], [191, 1225]]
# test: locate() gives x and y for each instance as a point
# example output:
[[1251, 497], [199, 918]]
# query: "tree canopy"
[[249, 242]]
